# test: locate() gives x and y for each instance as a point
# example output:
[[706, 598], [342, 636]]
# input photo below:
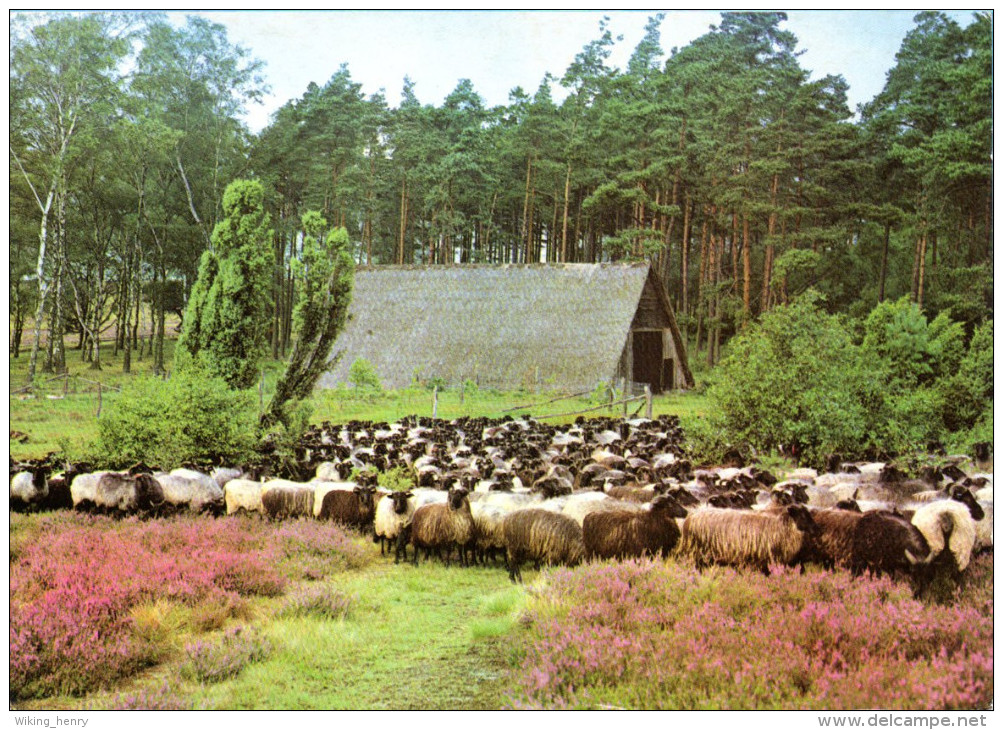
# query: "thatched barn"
[[560, 326]]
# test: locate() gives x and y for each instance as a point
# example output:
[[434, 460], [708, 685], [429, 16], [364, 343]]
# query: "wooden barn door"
[[648, 358]]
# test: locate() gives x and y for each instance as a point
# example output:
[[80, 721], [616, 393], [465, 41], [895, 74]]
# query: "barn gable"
[[556, 325]]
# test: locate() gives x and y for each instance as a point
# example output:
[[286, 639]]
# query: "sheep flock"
[[511, 490]]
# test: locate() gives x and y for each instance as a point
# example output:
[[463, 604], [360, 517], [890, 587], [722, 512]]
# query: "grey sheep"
[[125, 494], [182, 493]]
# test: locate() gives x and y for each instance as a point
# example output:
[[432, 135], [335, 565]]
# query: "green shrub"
[[187, 418], [968, 392], [398, 479], [788, 385], [363, 375]]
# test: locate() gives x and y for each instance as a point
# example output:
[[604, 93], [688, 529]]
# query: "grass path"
[[426, 638]]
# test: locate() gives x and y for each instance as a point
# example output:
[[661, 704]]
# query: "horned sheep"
[[949, 525]]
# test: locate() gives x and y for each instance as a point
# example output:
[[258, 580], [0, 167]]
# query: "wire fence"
[[65, 385]]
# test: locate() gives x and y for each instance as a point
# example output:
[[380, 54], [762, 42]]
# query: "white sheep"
[[243, 495], [84, 489], [28, 487], [984, 528], [947, 524], [393, 516], [579, 505]]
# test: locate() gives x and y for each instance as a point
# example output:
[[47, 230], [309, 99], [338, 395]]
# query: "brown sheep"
[[876, 542], [622, 534], [437, 526], [542, 536], [354, 508], [287, 501], [744, 538]]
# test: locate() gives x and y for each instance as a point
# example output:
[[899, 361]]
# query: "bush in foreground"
[[654, 635], [93, 599]]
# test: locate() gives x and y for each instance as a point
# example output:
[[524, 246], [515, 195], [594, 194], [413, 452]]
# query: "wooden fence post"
[[647, 402], [66, 384], [435, 402]]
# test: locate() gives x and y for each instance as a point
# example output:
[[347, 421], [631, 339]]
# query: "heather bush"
[[210, 662], [74, 590], [94, 599], [321, 601], [654, 635], [314, 550], [167, 697]]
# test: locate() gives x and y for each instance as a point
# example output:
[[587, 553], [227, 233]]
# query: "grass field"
[[61, 414]]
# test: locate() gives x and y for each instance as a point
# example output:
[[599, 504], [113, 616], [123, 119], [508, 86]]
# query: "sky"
[[501, 49]]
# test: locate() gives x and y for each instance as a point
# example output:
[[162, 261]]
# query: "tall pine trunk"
[[884, 263]]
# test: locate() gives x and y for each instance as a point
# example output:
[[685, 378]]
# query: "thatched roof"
[[502, 326]]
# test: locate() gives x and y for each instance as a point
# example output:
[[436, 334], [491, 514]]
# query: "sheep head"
[[457, 496], [667, 505], [960, 494], [400, 500], [803, 520]]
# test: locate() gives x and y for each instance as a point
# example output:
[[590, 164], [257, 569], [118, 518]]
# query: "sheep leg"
[[398, 545], [513, 568]]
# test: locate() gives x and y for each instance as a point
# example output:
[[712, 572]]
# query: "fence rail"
[[552, 400], [624, 401], [66, 378]]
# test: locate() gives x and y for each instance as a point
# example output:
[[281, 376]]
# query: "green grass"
[[64, 418], [410, 644]]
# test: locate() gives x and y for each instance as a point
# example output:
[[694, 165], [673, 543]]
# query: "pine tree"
[[325, 274], [226, 321]]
